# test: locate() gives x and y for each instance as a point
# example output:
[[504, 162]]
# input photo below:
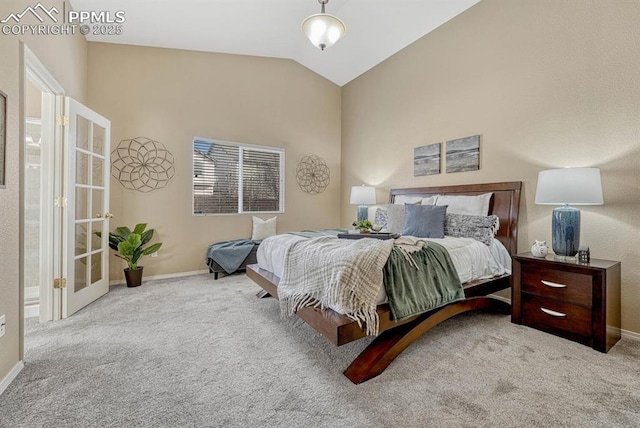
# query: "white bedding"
[[472, 259]]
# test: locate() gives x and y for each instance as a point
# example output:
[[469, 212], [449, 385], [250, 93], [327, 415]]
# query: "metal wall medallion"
[[312, 174], [142, 164]]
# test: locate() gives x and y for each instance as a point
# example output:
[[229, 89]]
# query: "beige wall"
[[171, 96], [65, 57], [546, 83]]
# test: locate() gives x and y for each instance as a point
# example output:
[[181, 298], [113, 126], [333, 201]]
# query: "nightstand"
[[577, 301]]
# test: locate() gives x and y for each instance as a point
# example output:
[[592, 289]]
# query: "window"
[[230, 178]]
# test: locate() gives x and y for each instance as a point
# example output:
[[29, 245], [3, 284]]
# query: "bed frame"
[[395, 337]]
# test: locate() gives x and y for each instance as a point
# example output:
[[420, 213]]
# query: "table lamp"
[[363, 196], [575, 186]]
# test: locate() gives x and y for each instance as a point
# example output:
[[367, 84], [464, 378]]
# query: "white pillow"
[[467, 205], [404, 199], [263, 228], [431, 200]]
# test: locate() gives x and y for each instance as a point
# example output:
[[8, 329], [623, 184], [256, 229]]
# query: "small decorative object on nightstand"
[[539, 249], [584, 255], [577, 301]]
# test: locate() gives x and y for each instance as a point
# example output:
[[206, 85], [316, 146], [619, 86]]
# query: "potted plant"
[[363, 226], [130, 246]]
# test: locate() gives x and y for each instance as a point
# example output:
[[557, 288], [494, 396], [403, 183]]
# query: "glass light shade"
[[575, 186], [323, 30]]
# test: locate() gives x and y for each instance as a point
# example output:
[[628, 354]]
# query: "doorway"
[[34, 194], [39, 187], [65, 199]]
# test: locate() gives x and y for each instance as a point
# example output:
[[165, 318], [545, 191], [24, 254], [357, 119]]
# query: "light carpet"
[[195, 352]]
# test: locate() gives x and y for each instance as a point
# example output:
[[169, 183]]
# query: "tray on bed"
[[373, 235]]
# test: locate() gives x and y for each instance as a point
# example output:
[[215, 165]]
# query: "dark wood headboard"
[[505, 203]]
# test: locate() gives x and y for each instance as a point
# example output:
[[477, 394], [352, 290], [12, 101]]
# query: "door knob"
[[108, 215]]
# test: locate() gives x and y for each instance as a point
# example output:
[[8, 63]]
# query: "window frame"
[[241, 147]]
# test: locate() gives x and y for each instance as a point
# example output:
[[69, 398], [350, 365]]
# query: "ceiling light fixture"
[[322, 29]]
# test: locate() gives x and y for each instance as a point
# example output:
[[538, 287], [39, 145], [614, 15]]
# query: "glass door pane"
[[87, 229]]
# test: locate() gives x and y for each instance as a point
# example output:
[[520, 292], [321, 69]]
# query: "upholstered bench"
[[231, 256]]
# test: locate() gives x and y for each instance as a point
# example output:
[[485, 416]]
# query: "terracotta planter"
[[133, 277]]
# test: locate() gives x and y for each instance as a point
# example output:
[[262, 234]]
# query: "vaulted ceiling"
[[376, 29]]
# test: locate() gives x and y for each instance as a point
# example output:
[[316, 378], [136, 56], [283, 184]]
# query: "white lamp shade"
[[363, 195], [323, 30], [575, 186]]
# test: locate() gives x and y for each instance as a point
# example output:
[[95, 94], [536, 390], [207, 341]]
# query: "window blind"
[[233, 178], [260, 181]]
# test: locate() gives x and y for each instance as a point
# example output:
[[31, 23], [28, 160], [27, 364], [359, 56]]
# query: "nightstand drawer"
[[555, 315], [557, 284]]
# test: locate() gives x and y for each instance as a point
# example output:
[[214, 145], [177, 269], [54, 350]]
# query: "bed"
[[393, 336]]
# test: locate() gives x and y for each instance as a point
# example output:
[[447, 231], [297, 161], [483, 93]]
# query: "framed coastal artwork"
[[426, 160], [463, 154]]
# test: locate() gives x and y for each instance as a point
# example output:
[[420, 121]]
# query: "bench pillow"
[[263, 228]]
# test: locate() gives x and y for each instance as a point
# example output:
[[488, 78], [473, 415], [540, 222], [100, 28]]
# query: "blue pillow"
[[424, 221]]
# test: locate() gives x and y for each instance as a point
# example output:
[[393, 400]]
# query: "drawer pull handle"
[[553, 313], [552, 284]]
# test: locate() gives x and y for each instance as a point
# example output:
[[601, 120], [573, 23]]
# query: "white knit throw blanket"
[[329, 272]]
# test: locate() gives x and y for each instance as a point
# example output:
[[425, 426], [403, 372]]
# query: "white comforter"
[[472, 259]]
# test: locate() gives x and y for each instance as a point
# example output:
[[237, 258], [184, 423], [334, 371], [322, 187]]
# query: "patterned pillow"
[[481, 228], [381, 217], [395, 218]]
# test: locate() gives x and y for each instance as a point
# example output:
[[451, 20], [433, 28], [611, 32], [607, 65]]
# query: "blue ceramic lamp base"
[[363, 213], [565, 231]]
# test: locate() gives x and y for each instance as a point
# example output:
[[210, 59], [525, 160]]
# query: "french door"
[[85, 208]]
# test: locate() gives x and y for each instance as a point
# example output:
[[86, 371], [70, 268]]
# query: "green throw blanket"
[[412, 290]]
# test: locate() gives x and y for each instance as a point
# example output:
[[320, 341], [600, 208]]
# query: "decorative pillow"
[[381, 218], [481, 228], [263, 228], [424, 221], [467, 205], [431, 200], [371, 211], [395, 218], [406, 199]]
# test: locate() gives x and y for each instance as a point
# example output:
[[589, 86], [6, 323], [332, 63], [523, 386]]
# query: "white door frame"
[[37, 73]]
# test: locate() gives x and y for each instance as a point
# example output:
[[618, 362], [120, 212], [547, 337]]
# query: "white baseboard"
[[165, 276], [31, 311], [632, 335], [11, 376]]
